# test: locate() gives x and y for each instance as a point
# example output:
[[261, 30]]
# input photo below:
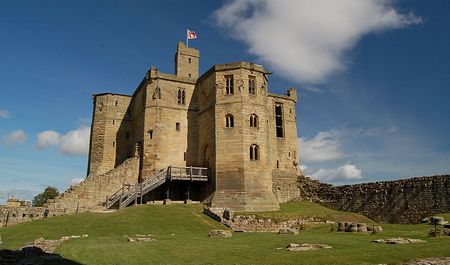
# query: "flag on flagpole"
[[191, 35]]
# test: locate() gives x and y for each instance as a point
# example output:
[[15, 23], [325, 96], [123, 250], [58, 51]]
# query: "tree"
[[49, 193]]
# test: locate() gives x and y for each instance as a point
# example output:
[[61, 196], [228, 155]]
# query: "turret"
[[292, 93], [186, 61]]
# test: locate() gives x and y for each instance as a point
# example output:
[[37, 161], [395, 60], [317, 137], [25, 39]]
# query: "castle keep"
[[220, 138], [224, 121]]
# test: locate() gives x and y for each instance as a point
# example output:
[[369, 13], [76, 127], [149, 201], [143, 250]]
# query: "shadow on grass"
[[32, 255]]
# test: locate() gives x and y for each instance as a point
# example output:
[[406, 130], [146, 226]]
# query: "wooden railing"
[[122, 195], [132, 192], [188, 173]]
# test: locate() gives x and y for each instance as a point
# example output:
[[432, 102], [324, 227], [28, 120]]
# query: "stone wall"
[[285, 185], [91, 193], [398, 201], [15, 215], [167, 120]]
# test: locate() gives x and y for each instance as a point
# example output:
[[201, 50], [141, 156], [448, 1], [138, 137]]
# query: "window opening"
[[229, 121], [177, 126], [150, 133], [279, 120], [181, 96], [251, 85], [254, 120], [254, 152], [229, 85]]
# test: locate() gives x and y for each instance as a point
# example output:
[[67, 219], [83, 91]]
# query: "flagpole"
[[187, 39]]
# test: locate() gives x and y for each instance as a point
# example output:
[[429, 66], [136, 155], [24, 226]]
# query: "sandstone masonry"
[[225, 120]]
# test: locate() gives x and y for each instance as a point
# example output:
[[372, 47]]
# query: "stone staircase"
[[90, 194]]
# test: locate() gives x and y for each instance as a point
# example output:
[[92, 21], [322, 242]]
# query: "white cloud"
[[76, 181], [15, 137], [345, 173], [75, 142], [47, 139], [328, 146], [4, 114], [325, 146], [307, 40], [376, 131]]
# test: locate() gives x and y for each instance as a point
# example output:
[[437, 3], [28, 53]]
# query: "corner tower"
[[186, 61]]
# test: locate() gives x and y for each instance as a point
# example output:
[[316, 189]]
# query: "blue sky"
[[373, 78]]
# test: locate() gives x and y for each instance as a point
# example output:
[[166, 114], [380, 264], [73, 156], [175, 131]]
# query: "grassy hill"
[[182, 238]]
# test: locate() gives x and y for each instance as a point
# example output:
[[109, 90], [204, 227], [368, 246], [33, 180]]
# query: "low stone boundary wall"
[[15, 215]]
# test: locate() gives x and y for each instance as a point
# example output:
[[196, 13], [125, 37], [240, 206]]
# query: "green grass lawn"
[[182, 238]]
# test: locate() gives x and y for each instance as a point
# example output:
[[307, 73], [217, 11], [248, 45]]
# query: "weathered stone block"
[[220, 233]]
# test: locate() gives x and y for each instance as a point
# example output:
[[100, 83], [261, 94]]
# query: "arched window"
[[157, 93], [181, 96], [229, 121], [254, 152], [254, 120]]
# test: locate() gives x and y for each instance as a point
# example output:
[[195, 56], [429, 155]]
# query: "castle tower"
[[108, 115], [241, 161], [186, 61]]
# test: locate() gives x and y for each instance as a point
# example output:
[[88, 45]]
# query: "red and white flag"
[[191, 35]]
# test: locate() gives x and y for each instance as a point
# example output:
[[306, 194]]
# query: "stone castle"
[[224, 121], [220, 138]]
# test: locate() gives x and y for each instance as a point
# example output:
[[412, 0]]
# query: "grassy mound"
[[181, 233], [305, 209]]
